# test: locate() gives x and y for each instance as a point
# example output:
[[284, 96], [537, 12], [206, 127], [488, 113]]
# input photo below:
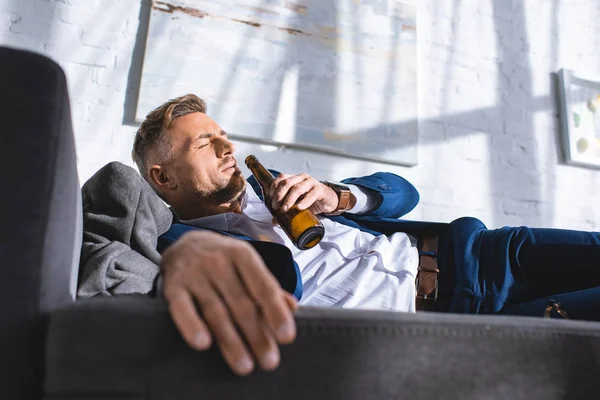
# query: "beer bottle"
[[302, 226]]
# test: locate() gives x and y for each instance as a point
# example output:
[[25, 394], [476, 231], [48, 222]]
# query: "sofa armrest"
[[128, 347], [40, 213]]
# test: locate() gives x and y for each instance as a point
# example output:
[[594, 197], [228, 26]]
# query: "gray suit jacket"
[[123, 218]]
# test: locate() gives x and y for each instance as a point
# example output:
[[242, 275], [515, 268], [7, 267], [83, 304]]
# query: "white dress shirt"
[[349, 268]]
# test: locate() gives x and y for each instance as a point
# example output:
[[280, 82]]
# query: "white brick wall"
[[489, 145]]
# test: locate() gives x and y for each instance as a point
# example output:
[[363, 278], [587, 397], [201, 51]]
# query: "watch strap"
[[344, 197]]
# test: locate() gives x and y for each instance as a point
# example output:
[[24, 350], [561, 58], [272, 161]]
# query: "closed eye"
[[197, 143]]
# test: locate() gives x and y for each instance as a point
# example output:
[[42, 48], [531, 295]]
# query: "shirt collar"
[[220, 221]]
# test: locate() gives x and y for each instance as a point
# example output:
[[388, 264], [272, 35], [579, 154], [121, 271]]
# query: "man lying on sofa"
[[225, 257]]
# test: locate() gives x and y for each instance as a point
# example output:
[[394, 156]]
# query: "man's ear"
[[161, 177]]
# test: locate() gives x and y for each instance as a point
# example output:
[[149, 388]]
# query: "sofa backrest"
[[40, 213]]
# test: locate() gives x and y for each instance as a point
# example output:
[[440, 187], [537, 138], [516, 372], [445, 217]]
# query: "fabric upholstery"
[[38, 212], [128, 347]]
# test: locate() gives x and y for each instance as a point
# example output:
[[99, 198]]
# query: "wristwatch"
[[344, 196]]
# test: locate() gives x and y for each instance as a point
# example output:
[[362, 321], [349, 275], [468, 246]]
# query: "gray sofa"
[[126, 347]]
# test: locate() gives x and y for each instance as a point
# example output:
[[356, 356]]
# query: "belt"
[[426, 282]]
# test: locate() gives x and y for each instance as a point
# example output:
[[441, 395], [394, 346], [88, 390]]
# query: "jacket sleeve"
[[122, 220], [397, 196]]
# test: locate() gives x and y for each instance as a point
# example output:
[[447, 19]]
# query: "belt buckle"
[[427, 296]]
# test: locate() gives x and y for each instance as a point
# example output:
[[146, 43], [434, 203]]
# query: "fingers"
[[287, 190], [228, 281], [181, 303], [188, 322], [309, 199], [219, 320], [291, 301], [269, 296], [303, 191], [246, 314], [282, 185], [295, 192]]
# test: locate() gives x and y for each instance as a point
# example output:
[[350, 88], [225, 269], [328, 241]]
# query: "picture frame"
[[321, 77], [579, 114]]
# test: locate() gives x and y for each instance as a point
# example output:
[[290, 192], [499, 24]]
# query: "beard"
[[230, 191]]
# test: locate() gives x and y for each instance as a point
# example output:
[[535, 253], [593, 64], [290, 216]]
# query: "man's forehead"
[[196, 119], [194, 122]]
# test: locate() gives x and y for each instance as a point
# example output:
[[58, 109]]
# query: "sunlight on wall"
[[285, 124], [355, 63], [488, 132]]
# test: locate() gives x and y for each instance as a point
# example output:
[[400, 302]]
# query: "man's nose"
[[225, 148]]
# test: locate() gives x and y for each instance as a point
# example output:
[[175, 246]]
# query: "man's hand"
[[288, 189], [230, 285]]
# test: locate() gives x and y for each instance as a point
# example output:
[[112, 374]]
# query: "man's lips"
[[229, 166]]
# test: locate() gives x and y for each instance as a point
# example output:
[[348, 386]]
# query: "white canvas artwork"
[[580, 118], [334, 76]]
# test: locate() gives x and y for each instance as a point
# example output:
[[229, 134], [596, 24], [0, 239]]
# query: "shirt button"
[[384, 186]]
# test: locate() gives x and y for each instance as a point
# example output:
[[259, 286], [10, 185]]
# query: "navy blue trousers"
[[560, 265]]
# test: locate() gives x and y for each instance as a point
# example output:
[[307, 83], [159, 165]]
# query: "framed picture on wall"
[[579, 100], [336, 77]]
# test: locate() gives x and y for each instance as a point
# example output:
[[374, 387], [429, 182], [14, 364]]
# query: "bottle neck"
[[263, 176]]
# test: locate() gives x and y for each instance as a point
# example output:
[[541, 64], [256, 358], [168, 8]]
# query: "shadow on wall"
[[529, 164], [134, 78], [501, 168]]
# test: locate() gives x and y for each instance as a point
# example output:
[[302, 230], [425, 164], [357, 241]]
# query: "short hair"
[[151, 144]]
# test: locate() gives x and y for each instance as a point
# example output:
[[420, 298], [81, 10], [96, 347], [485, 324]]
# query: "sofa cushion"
[[127, 346]]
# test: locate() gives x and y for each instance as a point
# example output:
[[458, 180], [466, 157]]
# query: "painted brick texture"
[[489, 144]]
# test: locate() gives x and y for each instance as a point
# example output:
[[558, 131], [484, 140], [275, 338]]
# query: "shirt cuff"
[[365, 199]]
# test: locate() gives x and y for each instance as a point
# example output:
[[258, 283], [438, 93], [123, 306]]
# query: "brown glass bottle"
[[302, 226]]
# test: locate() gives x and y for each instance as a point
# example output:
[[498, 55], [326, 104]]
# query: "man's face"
[[203, 167]]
